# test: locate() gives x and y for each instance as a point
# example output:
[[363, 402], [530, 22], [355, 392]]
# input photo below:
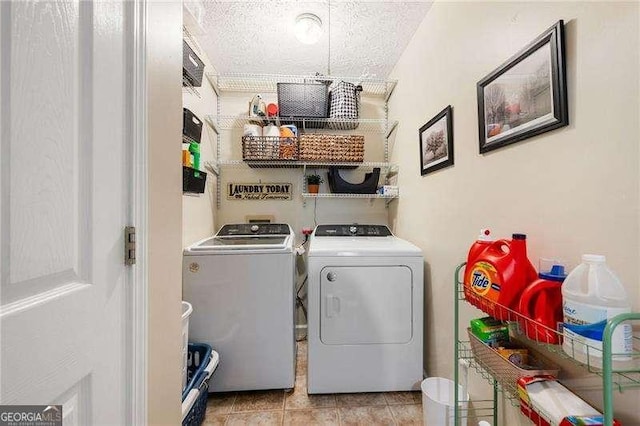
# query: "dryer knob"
[[332, 276], [254, 228], [353, 229]]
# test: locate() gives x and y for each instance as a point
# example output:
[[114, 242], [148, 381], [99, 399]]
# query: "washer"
[[365, 311], [241, 283]]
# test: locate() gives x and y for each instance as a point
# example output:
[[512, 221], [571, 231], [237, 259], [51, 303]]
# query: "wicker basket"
[[333, 148], [504, 371], [269, 148]]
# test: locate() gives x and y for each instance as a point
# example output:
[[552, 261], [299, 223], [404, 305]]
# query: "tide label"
[[485, 281]]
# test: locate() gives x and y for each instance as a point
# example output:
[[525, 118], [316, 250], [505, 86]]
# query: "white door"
[[64, 191], [365, 305]]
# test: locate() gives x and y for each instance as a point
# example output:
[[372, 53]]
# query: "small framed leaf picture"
[[436, 142]]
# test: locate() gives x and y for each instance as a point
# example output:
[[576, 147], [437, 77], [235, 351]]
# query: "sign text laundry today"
[[258, 191]]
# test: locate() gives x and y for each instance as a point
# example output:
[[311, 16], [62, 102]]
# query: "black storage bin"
[[193, 181], [191, 126], [192, 66], [303, 100], [341, 186]]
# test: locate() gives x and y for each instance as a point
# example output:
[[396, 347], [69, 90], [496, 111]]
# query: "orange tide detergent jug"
[[496, 274]]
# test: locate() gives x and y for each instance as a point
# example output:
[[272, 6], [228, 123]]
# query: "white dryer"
[[365, 302], [241, 283]]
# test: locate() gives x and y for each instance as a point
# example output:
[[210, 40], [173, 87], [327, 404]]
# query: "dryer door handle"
[[333, 305]]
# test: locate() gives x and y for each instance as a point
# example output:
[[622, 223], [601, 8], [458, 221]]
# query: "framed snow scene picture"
[[525, 96]]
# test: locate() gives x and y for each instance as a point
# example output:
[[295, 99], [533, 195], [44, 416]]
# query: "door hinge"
[[130, 245]]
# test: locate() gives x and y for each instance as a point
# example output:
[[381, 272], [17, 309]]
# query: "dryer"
[[365, 303], [241, 283]]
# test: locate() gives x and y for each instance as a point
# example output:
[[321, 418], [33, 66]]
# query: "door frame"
[[137, 214]]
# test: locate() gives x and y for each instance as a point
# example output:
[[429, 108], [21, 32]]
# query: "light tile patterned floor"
[[298, 408]]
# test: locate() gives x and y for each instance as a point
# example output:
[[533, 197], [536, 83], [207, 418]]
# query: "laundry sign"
[[258, 191]]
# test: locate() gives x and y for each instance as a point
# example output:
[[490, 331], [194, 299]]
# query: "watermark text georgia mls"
[[30, 415]]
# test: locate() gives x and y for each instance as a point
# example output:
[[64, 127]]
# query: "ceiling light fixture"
[[308, 28]]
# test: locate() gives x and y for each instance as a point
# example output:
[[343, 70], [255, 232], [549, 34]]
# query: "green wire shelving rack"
[[613, 377]]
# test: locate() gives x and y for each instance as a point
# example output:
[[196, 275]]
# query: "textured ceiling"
[[256, 36]]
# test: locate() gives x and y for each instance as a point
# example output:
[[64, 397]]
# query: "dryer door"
[[365, 305]]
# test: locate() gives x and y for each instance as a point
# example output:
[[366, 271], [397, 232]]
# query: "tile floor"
[[298, 408]]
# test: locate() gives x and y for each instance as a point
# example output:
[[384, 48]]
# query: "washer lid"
[[361, 246], [246, 237], [243, 242]]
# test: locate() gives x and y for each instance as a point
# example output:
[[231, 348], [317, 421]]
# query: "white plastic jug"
[[592, 294]]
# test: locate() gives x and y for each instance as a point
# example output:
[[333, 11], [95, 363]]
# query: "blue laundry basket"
[[202, 362]]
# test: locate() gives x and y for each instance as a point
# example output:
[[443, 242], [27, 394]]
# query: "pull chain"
[[329, 44]]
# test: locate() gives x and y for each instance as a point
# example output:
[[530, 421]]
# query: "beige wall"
[[573, 190], [164, 43], [198, 211]]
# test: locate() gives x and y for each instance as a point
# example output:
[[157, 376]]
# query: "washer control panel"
[[254, 229], [352, 231]]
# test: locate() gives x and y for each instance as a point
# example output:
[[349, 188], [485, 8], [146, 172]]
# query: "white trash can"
[[437, 402]]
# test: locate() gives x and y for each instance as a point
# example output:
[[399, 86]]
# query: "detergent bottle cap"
[[552, 269], [519, 236], [485, 235], [557, 273], [593, 258]]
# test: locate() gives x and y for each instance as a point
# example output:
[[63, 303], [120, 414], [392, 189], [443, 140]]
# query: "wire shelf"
[[332, 195], [308, 125], [268, 83], [392, 168], [509, 390], [477, 409], [624, 374], [212, 167], [193, 42], [389, 167], [187, 87], [261, 83]]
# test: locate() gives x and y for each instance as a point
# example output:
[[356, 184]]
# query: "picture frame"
[[436, 142], [526, 95]]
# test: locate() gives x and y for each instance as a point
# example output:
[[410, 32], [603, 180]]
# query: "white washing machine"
[[365, 308], [241, 283]]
